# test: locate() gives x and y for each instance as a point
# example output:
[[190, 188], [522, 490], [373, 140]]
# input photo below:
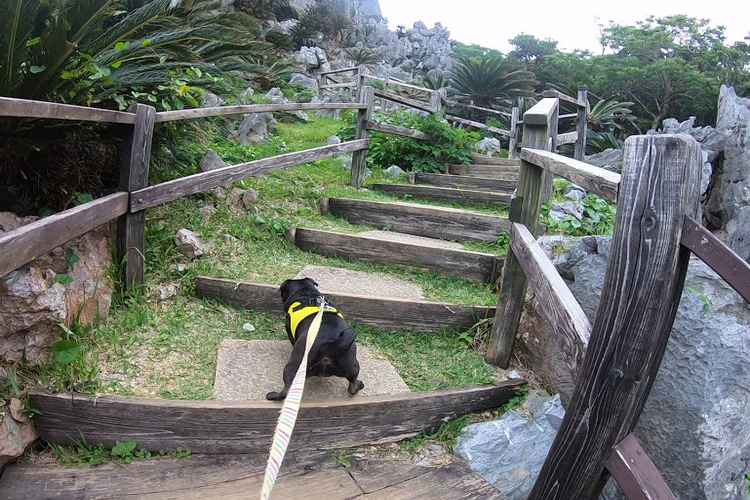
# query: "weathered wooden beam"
[[567, 138], [396, 130], [23, 108], [475, 266], [514, 133], [420, 220], [448, 194], [477, 125], [640, 296], [340, 70], [134, 166], [525, 208], [359, 159], [342, 85], [198, 183], [219, 427], [491, 160], [582, 123], [191, 114], [561, 309], [478, 108], [551, 93], [636, 474], [461, 182], [718, 256], [509, 173], [22, 245], [404, 101], [373, 311], [594, 179], [399, 83]]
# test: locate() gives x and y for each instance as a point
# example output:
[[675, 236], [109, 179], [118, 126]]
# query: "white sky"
[[575, 25]]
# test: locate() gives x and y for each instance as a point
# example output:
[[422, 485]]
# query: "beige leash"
[[289, 412]]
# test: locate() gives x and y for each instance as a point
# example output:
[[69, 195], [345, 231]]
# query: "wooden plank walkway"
[[421, 220], [240, 477], [445, 194], [476, 266]]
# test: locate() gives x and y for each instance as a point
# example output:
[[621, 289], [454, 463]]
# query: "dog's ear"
[[313, 283], [284, 290]]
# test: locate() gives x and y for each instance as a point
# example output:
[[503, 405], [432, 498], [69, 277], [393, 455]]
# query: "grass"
[[83, 454], [168, 349]]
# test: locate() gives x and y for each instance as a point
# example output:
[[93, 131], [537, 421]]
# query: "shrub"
[[449, 145]]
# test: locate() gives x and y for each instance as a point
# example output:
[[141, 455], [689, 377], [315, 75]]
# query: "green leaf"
[[124, 449], [33, 42], [146, 43], [71, 257], [82, 198], [37, 69], [121, 46], [116, 65], [66, 352], [63, 279]]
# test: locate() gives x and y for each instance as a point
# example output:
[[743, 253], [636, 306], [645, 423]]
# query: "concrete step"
[[421, 220], [475, 266], [461, 182], [445, 194]]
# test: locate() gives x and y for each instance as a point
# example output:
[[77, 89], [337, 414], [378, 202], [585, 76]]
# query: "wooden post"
[[135, 159], [361, 78], [436, 101], [538, 123], [641, 293], [512, 143], [582, 123], [359, 158]]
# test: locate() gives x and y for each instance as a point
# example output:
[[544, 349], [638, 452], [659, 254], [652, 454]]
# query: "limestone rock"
[[189, 244], [488, 146], [690, 397], [394, 172], [69, 284], [276, 96], [239, 199], [610, 159], [313, 58], [303, 81], [246, 97], [212, 161], [255, 128], [16, 432], [333, 140], [211, 100], [208, 210], [166, 292], [509, 452], [249, 198]]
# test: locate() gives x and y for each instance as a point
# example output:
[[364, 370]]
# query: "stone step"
[[491, 160], [422, 220], [461, 182], [249, 369], [489, 171], [475, 266], [445, 194]]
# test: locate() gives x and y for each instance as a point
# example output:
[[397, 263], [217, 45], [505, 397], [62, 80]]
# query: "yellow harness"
[[297, 315]]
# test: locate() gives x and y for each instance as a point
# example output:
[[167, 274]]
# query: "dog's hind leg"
[[290, 370], [351, 368]]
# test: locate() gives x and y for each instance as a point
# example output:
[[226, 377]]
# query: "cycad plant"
[[488, 82], [608, 115]]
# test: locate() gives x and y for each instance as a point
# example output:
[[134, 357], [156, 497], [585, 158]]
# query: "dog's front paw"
[[275, 396], [355, 387]]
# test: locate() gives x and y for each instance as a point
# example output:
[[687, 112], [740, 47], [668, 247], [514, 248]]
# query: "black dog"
[[334, 353]]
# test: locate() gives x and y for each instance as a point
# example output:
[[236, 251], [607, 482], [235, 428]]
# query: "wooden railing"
[[619, 356], [128, 205]]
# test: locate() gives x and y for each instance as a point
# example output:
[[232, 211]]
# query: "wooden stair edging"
[[491, 160], [246, 427], [487, 171], [445, 194], [240, 476], [466, 182], [442, 223], [373, 311], [475, 266]]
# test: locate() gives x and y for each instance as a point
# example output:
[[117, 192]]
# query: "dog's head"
[[305, 286]]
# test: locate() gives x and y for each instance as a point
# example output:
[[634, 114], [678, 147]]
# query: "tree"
[[490, 81], [529, 49]]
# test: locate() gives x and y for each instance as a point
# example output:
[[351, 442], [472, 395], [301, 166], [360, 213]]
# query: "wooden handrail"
[[341, 70], [551, 93], [24, 108], [636, 473], [478, 108], [405, 101], [718, 256], [198, 183], [190, 114], [541, 113], [560, 308], [387, 128], [22, 245], [343, 85], [592, 178], [567, 138], [399, 83], [477, 125]]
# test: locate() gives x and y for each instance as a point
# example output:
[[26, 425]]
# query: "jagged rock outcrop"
[[69, 284], [16, 431], [702, 389]]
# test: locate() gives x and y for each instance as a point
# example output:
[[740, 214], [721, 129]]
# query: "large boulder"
[[313, 59], [610, 159], [304, 81], [509, 452], [69, 284], [489, 146], [730, 200], [702, 390], [16, 431], [255, 128]]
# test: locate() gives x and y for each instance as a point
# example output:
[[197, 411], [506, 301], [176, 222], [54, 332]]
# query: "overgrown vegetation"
[[597, 217], [83, 454]]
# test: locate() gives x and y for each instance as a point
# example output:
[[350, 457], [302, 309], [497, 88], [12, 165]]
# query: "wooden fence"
[[658, 196]]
